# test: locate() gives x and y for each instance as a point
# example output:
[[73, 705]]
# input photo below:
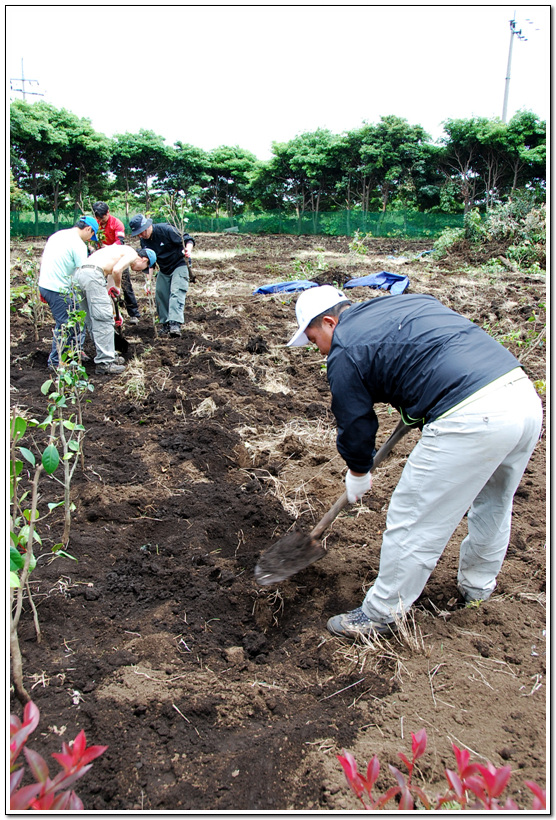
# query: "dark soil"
[[215, 693]]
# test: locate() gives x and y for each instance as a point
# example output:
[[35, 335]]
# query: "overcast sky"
[[251, 75]]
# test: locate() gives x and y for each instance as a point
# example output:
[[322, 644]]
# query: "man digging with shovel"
[[99, 279], [480, 417]]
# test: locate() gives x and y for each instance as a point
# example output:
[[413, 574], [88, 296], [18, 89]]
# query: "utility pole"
[[520, 36], [23, 80]]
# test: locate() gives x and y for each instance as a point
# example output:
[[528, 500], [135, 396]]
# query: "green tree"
[[121, 165], [230, 169], [491, 160], [394, 152], [461, 158], [360, 174], [315, 161], [388, 164], [187, 174], [19, 200], [267, 186], [526, 137], [87, 163], [427, 180], [55, 155], [275, 185], [488, 159], [303, 174], [36, 148], [139, 161]]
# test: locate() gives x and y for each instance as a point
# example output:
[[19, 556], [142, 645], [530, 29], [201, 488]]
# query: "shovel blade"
[[289, 555], [120, 344]]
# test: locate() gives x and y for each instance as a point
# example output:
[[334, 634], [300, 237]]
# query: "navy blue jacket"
[[409, 351]]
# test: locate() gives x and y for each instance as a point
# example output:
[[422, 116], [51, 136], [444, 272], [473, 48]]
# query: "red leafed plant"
[[46, 793], [472, 781]]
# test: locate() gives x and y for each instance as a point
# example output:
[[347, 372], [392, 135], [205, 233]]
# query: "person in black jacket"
[[172, 283], [480, 418]]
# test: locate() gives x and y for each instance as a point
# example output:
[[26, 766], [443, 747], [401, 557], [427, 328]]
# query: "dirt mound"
[[212, 692]]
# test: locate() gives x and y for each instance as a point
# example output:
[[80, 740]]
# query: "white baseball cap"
[[311, 304]]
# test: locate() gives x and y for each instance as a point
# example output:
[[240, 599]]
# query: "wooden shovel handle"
[[384, 451]]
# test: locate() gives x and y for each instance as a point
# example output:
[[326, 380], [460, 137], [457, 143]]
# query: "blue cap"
[[92, 223], [150, 255]]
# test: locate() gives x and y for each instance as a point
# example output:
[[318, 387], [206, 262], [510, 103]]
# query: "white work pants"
[[98, 306], [472, 459]]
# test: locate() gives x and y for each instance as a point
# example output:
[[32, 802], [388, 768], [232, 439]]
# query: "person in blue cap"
[[480, 418], [97, 280], [64, 252]]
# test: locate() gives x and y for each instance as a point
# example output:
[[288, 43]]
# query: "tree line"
[[59, 162]]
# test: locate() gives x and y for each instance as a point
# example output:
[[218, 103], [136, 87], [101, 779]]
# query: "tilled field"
[[212, 692]]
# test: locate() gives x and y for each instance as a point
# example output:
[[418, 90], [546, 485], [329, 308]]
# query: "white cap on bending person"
[[311, 304]]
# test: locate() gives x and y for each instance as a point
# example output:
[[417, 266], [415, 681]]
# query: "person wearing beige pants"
[[98, 280]]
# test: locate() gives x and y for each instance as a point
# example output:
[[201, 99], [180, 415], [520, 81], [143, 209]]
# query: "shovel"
[[121, 344], [295, 551], [192, 277]]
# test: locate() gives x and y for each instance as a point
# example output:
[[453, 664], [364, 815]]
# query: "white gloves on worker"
[[357, 485]]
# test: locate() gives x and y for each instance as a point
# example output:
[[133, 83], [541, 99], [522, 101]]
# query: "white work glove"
[[357, 485]]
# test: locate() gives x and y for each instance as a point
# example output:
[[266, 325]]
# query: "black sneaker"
[[175, 329], [355, 623], [163, 329]]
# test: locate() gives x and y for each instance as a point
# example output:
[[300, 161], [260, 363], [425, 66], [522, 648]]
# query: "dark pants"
[[60, 305], [130, 300]]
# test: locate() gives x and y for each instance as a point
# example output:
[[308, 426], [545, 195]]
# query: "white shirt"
[[63, 253]]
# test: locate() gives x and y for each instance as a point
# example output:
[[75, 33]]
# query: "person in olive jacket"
[[172, 283], [480, 418]]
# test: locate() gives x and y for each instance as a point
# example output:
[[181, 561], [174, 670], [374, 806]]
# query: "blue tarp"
[[286, 287], [384, 280]]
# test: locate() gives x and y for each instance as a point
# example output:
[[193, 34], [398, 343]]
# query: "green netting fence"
[[409, 224]]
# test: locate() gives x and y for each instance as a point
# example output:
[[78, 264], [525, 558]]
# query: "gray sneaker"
[[110, 368], [133, 320], [355, 623], [473, 596], [175, 329], [119, 359]]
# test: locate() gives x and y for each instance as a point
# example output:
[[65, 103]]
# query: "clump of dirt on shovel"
[[289, 555]]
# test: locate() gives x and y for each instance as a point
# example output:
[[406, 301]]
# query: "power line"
[[23, 79]]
